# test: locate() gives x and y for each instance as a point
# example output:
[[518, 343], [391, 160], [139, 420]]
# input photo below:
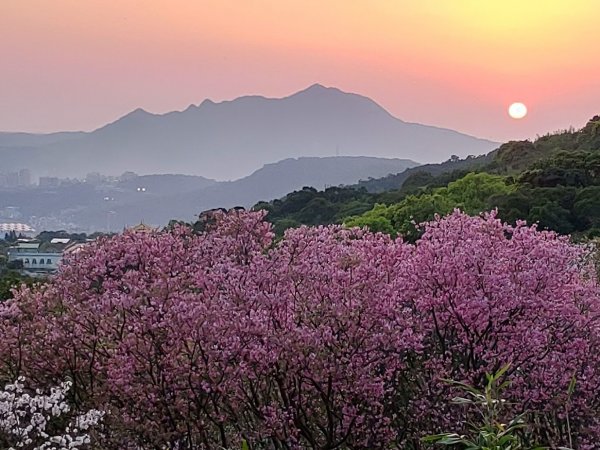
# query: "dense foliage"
[[312, 207], [10, 277], [330, 338], [553, 181], [421, 175], [11, 280], [560, 193], [470, 193]]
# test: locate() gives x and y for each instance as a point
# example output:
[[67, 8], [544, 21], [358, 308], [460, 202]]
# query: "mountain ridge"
[[253, 130]]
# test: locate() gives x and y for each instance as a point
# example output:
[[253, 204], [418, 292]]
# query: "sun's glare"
[[517, 110]]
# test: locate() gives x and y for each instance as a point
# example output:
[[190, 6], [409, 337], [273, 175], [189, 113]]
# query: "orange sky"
[[78, 64]]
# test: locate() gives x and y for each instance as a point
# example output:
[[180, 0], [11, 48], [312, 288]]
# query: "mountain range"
[[230, 139]]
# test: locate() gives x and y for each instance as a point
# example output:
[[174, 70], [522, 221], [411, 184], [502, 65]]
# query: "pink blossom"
[[329, 338]]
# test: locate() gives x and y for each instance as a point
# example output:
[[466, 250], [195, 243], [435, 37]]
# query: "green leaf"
[[444, 439], [502, 371], [463, 386], [572, 386], [462, 401]]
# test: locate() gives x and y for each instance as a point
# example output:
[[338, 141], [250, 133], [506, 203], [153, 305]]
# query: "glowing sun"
[[517, 110]]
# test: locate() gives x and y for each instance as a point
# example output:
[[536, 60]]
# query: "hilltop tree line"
[[553, 181]]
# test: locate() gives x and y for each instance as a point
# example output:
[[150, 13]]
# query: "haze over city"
[[77, 65]]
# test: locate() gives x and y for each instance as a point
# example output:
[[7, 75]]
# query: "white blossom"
[[24, 418]]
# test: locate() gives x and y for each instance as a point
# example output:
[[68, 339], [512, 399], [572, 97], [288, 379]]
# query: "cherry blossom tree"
[[329, 338], [489, 294]]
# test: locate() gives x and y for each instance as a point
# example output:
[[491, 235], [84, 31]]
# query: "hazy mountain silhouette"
[[166, 197], [230, 139], [29, 139], [278, 179], [160, 204]]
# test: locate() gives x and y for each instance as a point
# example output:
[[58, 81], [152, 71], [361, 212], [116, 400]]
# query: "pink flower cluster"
[[329, 338]]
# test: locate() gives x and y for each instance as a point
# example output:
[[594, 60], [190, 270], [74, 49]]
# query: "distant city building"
[[24, 177], [128, 176], [49, 182], [21, 178], [12, 179], [94, 178]]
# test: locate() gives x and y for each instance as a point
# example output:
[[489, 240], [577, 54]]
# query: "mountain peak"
[[191, 107], [206, 102], [137, 113], [317, 89]]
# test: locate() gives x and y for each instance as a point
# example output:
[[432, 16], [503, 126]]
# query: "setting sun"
[[517, 110]]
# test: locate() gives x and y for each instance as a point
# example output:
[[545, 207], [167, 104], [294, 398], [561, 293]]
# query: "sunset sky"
[[78, 64]]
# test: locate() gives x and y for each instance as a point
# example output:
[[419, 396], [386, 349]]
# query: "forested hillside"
[[554, 180]]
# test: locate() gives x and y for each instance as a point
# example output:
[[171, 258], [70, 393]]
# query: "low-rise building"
[[38, 258]]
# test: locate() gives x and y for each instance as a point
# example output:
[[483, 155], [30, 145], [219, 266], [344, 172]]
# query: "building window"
[[41, 260], [33, 261], [48, 261], [26, 261]]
